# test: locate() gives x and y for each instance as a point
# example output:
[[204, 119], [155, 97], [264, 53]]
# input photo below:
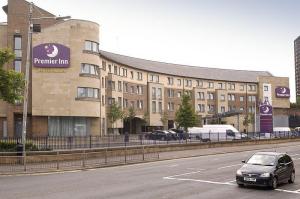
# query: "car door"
[[281, 169], [289, 166]]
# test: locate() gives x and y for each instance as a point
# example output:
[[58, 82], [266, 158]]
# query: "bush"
[[12, 146]]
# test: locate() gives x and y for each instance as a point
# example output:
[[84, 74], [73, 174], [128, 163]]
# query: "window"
[[251, 109], [153, 106], [124, 72], [252, 87], [170, 106], [125, 86], [220, 86], [139, 90], [178, 82], [159, 93], [153, 93], [200, 95], [102, 82], [120, 101], [241, 98], [222, 109], [251, 98], [154, 78], [210, 85], [111, 85], [210, 96], [115, 70], [199, 83], [109, 68], [89, 69], [241, 108], [125, 103], [266, 99], [18, 46], [83, 92], [188, 83], [201, 108], [68, 126], [170, 80], [179, 94], [132, 89], [266, 88], [91, 46], [170, 93], [131, 75], [18, 65], [140, 104], [103, 100], [132, 104], [231, 97], [211, 108], [119, 86], [140, 75], [242, 87], [104, 65], [160, 107], [222, 97], [231, 86]]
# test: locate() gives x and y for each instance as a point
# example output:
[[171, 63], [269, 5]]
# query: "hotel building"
[[73, 83]]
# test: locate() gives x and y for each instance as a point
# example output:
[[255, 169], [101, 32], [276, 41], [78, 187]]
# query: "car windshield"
[[262, 159]]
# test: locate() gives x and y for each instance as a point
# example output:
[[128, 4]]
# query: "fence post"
[[83, 160], [125, 154], [24, 162], [218, 137], [57, 160], [143, 153], [90, 141], [105, 155]]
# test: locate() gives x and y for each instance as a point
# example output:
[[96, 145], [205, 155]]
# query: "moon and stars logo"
[[51, 50], [282, 92], [266, 109]]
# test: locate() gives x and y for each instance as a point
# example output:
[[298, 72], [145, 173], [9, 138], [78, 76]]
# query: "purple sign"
[[266, 117], [282, 92], [51, 55]]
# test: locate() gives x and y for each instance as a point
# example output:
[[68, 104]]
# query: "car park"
[[267, 169]]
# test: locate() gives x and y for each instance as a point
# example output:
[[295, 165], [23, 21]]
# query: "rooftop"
[[185, 70]]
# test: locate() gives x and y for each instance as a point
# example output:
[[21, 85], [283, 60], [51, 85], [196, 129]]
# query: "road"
[[206, 177]]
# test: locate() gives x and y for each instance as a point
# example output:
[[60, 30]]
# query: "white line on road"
[[292, 155], [234, 165], [195, 180], [288, 191], [172, 165], [199, 171]]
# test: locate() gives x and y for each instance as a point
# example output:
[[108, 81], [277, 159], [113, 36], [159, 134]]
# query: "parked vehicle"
[[160, 135], [266, 169], [216, 133], [281, 132], [180, 134]]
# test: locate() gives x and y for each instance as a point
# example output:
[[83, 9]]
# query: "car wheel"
[[274, 183], [292, 177], [240, 185]]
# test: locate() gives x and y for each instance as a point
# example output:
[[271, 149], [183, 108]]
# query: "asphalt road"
[[189, 178]]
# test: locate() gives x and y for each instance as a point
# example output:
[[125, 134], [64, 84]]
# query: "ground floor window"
[[68, 126]]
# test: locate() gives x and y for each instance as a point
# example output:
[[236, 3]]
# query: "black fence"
[[89, 142]]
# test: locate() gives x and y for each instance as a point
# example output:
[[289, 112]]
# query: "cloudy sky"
[[235, 34]]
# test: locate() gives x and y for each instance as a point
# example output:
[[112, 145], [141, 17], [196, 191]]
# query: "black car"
[[180, 134], [266, 169], [160, 135]]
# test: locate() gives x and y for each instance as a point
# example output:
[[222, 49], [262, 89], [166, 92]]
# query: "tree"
[[164, 118], [146, 120], [297, 104], [249, 119], [11, 82], [115, 113], [185, 115], [129, 117]]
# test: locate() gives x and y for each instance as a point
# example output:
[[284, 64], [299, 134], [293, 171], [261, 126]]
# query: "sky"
[[229, 34]]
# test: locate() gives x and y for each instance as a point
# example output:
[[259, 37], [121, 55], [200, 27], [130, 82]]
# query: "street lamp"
[[28, 60]]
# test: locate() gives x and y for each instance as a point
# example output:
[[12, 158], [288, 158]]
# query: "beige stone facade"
[[76, 100]]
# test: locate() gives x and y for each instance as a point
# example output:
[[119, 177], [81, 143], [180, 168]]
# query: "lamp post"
[[27, 66]]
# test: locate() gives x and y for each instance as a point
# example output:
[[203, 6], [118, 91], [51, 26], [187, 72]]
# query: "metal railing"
[[47, 161], [90, 142]]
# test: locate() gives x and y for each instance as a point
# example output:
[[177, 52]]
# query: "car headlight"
[[238, 172], [265, 175]]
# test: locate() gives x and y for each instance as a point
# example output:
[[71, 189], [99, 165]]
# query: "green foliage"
[[185, 115], [11, 83], [164, 118], [130, 116], [12, 146], [297, 104], [115, 113], [249, 119], [146, 119]]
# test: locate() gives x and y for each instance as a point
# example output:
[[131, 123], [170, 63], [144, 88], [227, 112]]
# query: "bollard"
[[143, 153], [57, 160]]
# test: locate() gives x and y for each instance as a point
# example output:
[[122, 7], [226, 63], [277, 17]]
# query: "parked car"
[[266, 169], [160, 135], [180, 134]]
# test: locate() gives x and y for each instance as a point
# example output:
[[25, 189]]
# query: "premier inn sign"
[[51, 55]]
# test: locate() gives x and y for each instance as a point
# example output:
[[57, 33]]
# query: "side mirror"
[[243, 161]]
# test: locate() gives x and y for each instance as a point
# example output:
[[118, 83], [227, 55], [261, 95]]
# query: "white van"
[[215, 133], [281, 131]]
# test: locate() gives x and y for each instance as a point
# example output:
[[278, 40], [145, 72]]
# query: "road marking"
[[195, 180], [298, 190], [296, 154], [234, 165], [232, 181], [199, 171], [288, 191], [172, 165]]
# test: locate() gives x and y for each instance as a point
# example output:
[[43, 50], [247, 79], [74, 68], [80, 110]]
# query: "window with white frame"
[[241, 98], [119, 86], [139, 89], [252, 87], [178, 82], [85, 92], [89, 69], [222, 97], [251, 98], [231, 97], [210, 96], [210, 85], [140, 104], [153, 106], [170, 106], [222, 109], [242, 87], [159, 93], [91, 46], [170, 93], [199, 83], [153, 93], [231, 86], [154, 78], [211, 108], [201, 108], [179, 94], [140, 76], [170, 81]]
